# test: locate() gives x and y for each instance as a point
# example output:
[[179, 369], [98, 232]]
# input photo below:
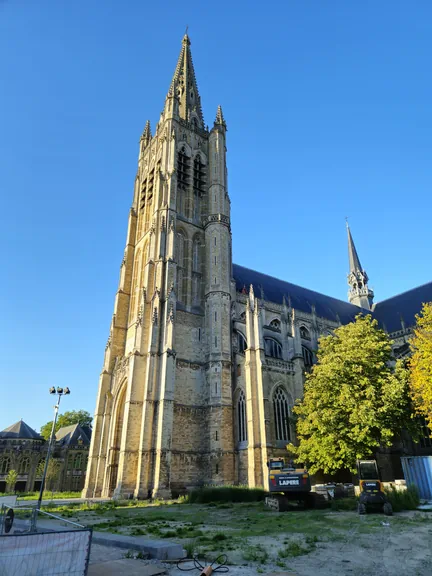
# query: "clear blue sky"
[[328, 106]]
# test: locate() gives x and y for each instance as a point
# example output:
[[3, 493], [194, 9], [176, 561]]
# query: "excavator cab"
[[372, 495]]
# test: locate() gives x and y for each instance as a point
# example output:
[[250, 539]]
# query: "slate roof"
[[388, 312], [20, 431], [70, 435], [406, 305], [301, 298]]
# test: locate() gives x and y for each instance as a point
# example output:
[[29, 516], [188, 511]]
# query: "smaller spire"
[[359, 292], [220, 120], [147, 135]]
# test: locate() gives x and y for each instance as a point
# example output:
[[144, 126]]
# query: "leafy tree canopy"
[[11, 479], [354, 400], [421, 364], [81, 417]]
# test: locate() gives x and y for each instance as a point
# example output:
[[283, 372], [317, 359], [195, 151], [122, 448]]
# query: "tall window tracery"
[[272, 348], [5, 464], [281, 415], [134, 286], [198, 186], [307, 357], [304, 333], [241, 417], [183, 171], [241, 343], [180, 257], [24, 465]]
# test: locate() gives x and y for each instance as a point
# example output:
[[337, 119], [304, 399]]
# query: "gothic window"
[[195, 256], [24, 466], [180, 284], [78, 461], [275, 324], [272, 348], [241, 417], [76, 483], [180, 252], [134, 286], [196, 290], [307, 357], [241, 343], [182, 169], [281, 415], [5, 464], [304, 333], [198, 186]]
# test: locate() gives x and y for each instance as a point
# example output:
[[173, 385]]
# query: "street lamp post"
[[60, 392]]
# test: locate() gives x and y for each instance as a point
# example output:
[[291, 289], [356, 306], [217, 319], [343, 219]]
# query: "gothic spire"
[[220, 120], [359, 292], [354, 260], [184, 86], [146, 136]]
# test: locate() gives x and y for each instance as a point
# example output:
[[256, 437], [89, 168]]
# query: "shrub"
[[255, 554], [293, 549], [403, 499], [212, 494]]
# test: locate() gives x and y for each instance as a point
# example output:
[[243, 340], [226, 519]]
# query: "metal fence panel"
[[418, 471], [46, 554]]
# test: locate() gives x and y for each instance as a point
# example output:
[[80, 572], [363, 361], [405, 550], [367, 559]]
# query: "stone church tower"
[[163, 417]]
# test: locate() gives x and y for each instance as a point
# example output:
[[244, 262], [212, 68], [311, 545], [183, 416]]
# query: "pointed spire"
[[354, 260], [220, 120], [184, 87], [146, 136], [359, 293]]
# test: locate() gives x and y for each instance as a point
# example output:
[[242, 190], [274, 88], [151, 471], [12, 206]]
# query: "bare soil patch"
[[258, 541]]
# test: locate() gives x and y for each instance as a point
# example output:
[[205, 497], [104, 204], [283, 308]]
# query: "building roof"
[[392, 312], [20, 431], [388, 312], [301, 298], [73, 434]]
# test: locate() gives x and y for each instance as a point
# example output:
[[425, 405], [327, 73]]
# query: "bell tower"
[[163, 419]]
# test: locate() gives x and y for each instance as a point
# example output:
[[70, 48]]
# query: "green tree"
[[420, 364], [52, 472], [354, 399], [11, 479], [81, 417]]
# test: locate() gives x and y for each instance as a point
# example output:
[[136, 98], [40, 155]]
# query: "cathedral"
[[205, 358]]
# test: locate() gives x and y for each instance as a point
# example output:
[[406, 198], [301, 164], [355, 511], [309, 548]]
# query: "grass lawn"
[[252, 535]]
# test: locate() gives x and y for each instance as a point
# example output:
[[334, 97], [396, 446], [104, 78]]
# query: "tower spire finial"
[[184, 87], [220, 120], [359, 293]]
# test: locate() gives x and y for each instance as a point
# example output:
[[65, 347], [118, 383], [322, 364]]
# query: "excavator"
[[288, 483]]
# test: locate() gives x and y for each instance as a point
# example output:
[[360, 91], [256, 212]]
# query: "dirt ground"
[[257, 541]]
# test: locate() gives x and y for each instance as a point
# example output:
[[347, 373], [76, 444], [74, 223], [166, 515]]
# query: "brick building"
[[22, 449]]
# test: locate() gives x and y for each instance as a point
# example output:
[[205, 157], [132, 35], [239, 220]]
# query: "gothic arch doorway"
[[117, 435]]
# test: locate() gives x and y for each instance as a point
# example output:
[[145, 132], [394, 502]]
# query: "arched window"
[[195, 256], [24, 466], [241, 417], [196, 283], [134, 286], [307, 357], [272, 348], [78, 461], [281, 415], [180, 284], [241, 343], [180, 249], [304, 333], [275, 324], [182, 168], [5, 464], [198, 186]]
